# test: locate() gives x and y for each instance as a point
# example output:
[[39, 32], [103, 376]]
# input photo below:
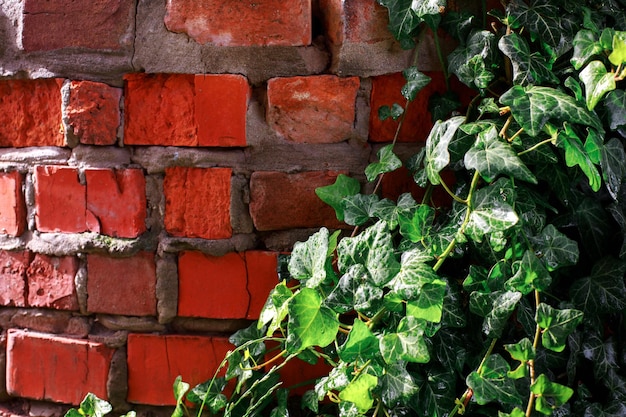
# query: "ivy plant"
[[510, 300]]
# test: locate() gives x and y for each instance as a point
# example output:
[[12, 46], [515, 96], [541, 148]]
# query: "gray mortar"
[[196, 325], [117, 385], [237, 243], [155, 159], [86, 156], [167, 287], [130, 323], [239, 200]]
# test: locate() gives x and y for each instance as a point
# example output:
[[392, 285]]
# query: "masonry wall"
[[155, 159]]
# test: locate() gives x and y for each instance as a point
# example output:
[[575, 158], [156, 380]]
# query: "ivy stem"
[[531, 362], [535, 146], [442, 60], [450, 192]]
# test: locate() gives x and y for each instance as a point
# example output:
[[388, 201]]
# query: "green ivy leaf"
[[361, 344], [415, 82], [613, 170], [403, 21], [433, 397], [532, 107], [354, 291], [542, 20], [180, 389], [407, 344], [594, 226], [618, 55], [550, 395], [555, 249], [275, 309], [492, 384], [395, 111], [492, 157], [556, 325], [528, 68], [531, 275], [475, 74], [471, 61], [397, 386], [93, 406], [334, 194], [310, 323], [597, 82], [429, 303], [308, 262], [604, 290], [602, 354], [418, 226], [496, 307], [576, 155], [615, 108], [586, 46], [360, 208], [210, 393], [437, 156], [359, 391], [441, 106], [522, 351], [413, 274], [492, 210], [516, 412], [387, 162]]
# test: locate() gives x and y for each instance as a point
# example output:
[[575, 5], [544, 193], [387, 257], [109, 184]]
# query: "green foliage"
[[510, 300]]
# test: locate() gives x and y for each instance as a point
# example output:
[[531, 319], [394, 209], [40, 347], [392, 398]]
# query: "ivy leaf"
[[594, 226], [433, 397], [612, 165], [403, 21], [615, 108], [374, 249], [496, 307], [531, 275], [413, 274], [492, 383], [604, 290], [576, 155], [602, 354], [395, 111], [528, 68], [437, 156], [532, 107], [360, 208], [387, 162], [597, 82], [429, 303], [275, 308], [522, 351], [555, 249], [93, 406], [542, 20], [310, 323], [492, 212], [441, 105], [180, 389], [361, 344], [416, 227], [492, 157], [415, 81], [550, 395], [354, 291], [210, 393], [475, 74], [472, 61], [406, 344], [359, 391], [586, 46], [556, 325], [308, 262], [397, 386], [618, 55], [334, 194]]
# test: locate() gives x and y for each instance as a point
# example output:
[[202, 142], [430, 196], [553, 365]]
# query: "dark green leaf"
[[415, 81], [441, 106], [594, 227], [309, 400], [403, 21], [528, 68], [542, 20], [531, 275], [556, 325], [492, 384], [397, 386], [492, 210], [310, 323], [395, 111], [333, 194], [360, 208], [602, 354], [498, 307], [433, 397], [586, 46], [479, 48], [555, 249], [209, 393], [612, 162], [615, 106], [576, 155], [604, 290]]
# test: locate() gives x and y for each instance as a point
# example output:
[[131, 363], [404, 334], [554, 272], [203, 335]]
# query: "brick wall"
[[155, 157]]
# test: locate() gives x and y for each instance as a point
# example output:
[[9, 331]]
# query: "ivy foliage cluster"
[[510, 300]]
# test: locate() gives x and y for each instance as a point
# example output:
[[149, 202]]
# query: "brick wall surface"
[[155, 158]]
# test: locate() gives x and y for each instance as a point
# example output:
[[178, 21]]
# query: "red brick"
[[261, 267], [418, 120], [314, 109], [212, 286], [197, 202], [155, 361], [159, 110], [12, 205], [401, 181], [113, 285], [284, 201], [51, 282], [59, 369], [235, 23], [13, 278], [221, 103], [93, 112], [186, 110], [117, 199], [30, 113], [93, 24], [60, 200], [355, 21]]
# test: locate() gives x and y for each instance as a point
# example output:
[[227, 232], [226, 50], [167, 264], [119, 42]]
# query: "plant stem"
[[442, 60], [535, 146], [531, 362]]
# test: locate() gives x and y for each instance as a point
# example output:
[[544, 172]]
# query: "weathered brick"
[[12, 205], [221, 103], [281, 201], [30, 113], [93, 24], [186, 110], [212, 286], [117, 199], [263, 22], [60, 200], [261, 269], [197, 202], [93, 112], [355, 21], [51, 282], [59, 369], [13, 266], [124, 286], [160, 359], [314, 109]]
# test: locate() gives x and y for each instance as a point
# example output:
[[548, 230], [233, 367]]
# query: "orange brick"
[[12, 205], [60, 200]]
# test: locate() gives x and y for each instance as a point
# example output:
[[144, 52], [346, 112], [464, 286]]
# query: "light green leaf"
[[93, 406], [532, 107], [586, 46], [310, 323], [418, 225], [180, 389], [275, 309], [531, 275], [437, 156], [429, 303], [618, 55], [361, 344], [597, 82], [492, 383], [556, 325], [333, 195], [550, 395], [359, 391], [576, 155], [407, 344], [308, 262], [492, 157]]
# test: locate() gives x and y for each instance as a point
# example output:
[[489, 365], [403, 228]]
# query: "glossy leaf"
[[387, 162], [359, 391], [586, 46], [360, 208], [180, 389], [308, 259], [92, 406], [604, 290], [597, 82], [492, 212], [413, 274], [550, 395], [613, 170], [615, 107], [275, 309], [210, 393], [429, 303], [403, 21], [531, 275], [492, 384], [334, 194], [496, 307], [528, 68], [542, 20], [415, 82], [618, 54], [602, 354], [397, 386], [394, 111], [556, 325], [310, 323], [555, 249], [361, 344], [576, 155], [407, 344], [437, 156]]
